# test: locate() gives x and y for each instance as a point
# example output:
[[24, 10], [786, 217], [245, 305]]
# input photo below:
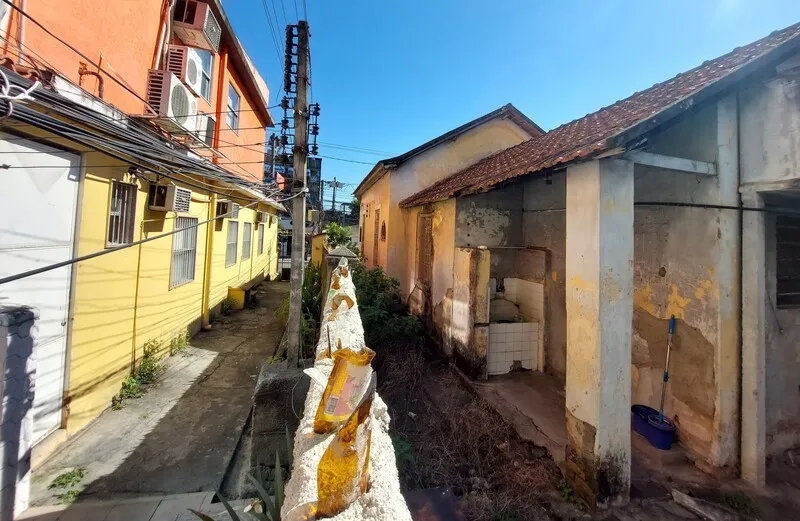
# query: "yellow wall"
[[418, 173], [318, 244], [105, 291], [376, 198]]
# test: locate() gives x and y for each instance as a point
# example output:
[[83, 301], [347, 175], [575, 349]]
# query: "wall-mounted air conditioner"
[[171, 101], [185, 63], [169, 198], [228, 207], [261, 217], [195, 25], [205, 128]]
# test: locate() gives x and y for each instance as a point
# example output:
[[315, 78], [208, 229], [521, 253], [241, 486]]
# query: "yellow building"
[[118, 237]]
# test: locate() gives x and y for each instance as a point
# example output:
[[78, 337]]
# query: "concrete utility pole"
[[299, 202], [273, 143], [333, 202]]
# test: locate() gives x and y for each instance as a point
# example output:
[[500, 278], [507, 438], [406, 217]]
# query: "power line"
[[285, 19], [357, 148], [272, 33], [305, 11], [346, 160], [296, 10], [50, 267]]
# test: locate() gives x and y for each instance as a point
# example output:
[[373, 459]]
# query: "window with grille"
[[383, 231], [232, 243], [261, 239], [787, 269], [247, 239], [233, 108], [184, 251], [121, 214]]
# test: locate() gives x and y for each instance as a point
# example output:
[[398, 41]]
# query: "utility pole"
[[333, 202], [299, 189]]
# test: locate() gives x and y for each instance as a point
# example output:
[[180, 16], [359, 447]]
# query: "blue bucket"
[[660, 432], [639, 414]]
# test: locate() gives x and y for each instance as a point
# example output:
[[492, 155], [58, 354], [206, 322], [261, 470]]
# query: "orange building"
[[122, 41]]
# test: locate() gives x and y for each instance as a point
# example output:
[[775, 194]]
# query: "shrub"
[[150, 367], [179, 343], [384, 315], [337, 235], [227, 306], [131, 388]]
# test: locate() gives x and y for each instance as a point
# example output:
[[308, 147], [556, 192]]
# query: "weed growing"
[[66, 498], [68, 479], [228, 306], [740, 502], [145, 374], [179, 343]]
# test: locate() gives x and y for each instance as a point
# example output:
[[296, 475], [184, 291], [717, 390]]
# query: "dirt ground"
[[445, 436]]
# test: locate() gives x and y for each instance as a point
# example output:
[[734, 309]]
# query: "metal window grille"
[[232, 242], [184, 251], [261, 239], [121, 214], [247, 239], [788, 261]]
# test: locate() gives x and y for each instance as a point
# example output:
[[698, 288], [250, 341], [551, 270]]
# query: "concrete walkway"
[[181, 436]]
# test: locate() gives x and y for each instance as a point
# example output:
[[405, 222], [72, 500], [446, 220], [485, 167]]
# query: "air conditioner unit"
[[195, 25], [171, 101], [228, 207], [185, 63], [169, 198], [205, 128], [261, 217]]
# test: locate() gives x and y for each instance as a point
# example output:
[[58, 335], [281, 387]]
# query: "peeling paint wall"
[[377, 198], [469, 327]]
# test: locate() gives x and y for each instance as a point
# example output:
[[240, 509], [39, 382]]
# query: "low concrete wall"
[[383, 501]]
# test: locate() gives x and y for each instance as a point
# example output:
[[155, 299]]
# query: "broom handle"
[[666, 367]]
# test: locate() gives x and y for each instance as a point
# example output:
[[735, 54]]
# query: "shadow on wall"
[[18, 335]]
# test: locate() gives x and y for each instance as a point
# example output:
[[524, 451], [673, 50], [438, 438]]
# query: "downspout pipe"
[[83, 70], [206, 296], [21, 33]]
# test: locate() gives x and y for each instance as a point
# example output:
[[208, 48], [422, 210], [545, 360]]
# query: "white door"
[[37, 222]]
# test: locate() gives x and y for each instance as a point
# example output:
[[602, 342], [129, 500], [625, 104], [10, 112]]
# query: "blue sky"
[[390, 75]]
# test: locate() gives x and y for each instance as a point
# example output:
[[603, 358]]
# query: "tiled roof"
[[591, 134]]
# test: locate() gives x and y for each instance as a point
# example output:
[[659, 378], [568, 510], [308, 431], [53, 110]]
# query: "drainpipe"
[[136, 297], [21, 32], [163, 33], [222, 67], [206, 297]]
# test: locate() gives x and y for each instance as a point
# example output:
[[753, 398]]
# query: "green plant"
[[566, 490], [740, 502], [384, 315], [150, 366], [227, 306], [116, 403], [179, 343], [403, 451], [68, 479], [65, 498], [337, 235], [131, 388]]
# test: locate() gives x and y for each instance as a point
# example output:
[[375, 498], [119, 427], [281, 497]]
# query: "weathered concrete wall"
[[770, 160], [469, 326], [429, 167], [686, 264], [547, 230], [782, 360], [770, 130], [444, 226], [492, 219]]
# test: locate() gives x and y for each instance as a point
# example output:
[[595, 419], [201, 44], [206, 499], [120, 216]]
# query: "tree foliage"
[[337, 235]]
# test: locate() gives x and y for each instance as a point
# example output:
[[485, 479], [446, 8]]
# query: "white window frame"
[[232, 246], [261, 232], [121, 214], [247, 241], [234, 103], [206, 75], [184, 252]]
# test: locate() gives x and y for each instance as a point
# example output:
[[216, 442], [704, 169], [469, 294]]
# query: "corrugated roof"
[[593, 133], [506, 111]]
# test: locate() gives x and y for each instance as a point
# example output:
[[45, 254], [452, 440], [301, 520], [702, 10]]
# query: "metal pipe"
[[21, 31], [83, 70]]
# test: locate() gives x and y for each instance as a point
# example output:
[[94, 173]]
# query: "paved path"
[[180, 437]]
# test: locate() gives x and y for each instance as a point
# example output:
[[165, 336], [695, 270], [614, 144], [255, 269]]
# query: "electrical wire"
[[275, 12], [275, 40], [346, 160], [296, 10], [56, 265]]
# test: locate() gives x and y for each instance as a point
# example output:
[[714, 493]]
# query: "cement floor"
[[181, 435]]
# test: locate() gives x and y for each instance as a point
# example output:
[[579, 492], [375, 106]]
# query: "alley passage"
[[182, 434]]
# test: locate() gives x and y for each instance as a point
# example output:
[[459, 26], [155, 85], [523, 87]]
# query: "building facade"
[[99, 160], [678, 201]]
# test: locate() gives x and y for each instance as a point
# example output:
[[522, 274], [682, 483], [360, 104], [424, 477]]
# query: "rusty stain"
[[676, 304]]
